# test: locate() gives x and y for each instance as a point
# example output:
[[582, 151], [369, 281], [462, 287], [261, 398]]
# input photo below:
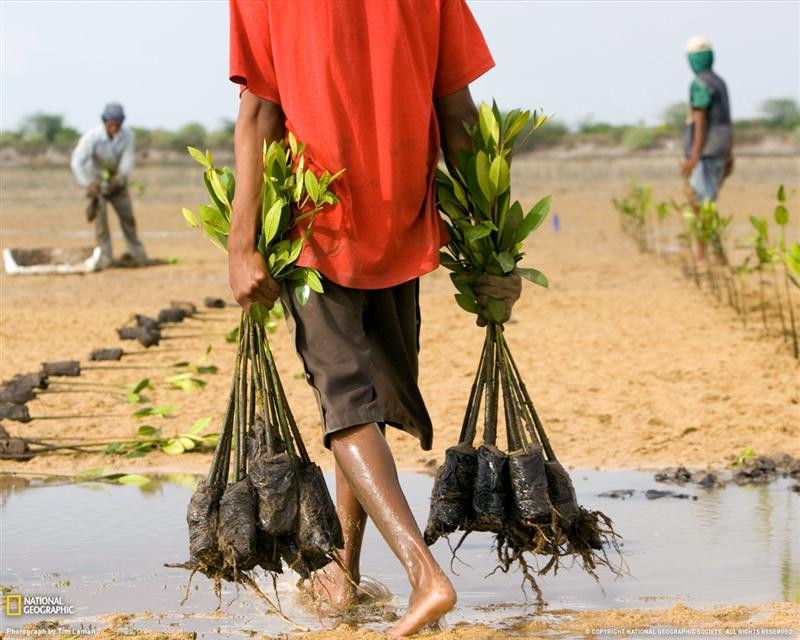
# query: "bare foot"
[[429, 601], [333, 586]]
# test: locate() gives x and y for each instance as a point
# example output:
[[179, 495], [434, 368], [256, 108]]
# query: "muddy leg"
[[363, 456], [333, 583], [103, 234]]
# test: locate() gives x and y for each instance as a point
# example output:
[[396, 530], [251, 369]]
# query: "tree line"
[[40, 131]]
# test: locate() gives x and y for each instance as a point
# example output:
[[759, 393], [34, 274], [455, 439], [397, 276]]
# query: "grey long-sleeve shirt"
[[95, 151]]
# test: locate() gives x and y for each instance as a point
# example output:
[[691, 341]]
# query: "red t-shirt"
[[356, 81]]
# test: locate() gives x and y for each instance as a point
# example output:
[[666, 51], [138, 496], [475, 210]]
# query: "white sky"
[[166, 61]]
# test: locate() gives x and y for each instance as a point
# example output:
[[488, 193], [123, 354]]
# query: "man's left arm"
[[700, 119], [126, 161]]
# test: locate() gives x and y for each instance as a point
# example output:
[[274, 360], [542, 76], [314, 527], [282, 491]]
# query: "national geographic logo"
[[19, 605]]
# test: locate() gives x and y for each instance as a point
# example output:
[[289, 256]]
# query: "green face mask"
[[701, 61]]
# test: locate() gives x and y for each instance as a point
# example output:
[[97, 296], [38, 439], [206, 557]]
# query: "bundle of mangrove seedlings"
[[264, 502], [523, 495]]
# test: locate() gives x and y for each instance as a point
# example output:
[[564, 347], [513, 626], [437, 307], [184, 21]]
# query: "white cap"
[[697, 44]]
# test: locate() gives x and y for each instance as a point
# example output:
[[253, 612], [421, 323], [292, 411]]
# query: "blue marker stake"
[[556, 222]]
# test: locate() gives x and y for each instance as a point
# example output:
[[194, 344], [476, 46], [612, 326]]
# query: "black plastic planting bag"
[[318, 529], [166, 316], [201, 516], [106, 354], [303, 564], [237, 526], [269, 552], [561, 491], [64, 368], [451, 498], [490, 492], [529, 487], [275, 483]]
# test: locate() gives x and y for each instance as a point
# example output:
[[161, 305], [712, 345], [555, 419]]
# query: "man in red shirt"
[[376, 88]]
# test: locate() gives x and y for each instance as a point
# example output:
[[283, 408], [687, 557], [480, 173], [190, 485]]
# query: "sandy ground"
[[774, 620], [629, 364]]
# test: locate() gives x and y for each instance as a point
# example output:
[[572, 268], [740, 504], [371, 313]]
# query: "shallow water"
[[102, 549]]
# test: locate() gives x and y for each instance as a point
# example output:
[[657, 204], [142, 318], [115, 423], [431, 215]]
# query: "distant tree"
[[66, 137], [190, 135], [639, 137], [42, 126], [781, 113], [674, 116], [223, 136]]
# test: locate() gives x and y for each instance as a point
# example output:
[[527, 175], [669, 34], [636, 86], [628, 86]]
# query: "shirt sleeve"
[[80, 156], [700, 95], [251, 62], [463, 54], [128, 157]]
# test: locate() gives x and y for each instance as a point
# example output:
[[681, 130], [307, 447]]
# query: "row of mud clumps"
[[147, 330], [757, 469], [15, 393]]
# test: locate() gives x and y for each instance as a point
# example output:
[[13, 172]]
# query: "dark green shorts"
[[359, 349]]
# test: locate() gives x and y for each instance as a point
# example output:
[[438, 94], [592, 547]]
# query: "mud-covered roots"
[[237, 527], [451, 498]]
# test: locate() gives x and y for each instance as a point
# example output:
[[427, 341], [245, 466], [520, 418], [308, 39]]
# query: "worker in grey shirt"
[[102, 162]]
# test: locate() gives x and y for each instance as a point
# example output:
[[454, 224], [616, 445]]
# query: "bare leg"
[[363, 456], [333, 583]]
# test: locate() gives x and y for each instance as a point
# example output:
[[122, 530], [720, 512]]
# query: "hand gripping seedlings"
[[524, 496], [263, 502]]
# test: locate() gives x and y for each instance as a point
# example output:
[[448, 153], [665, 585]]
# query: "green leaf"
[[477, 232], [133, 478], [302, 292], [781, 194], [143, 412], [271, 220], [467, 303], [781, 215], [533, 275], [508, 237], [190, 218], [499, 175], [187, 443], [134, 398], [149, 431], [312, 185], [142, 385], [535, 217], [173, 447], [482, 171], [213, 220], [199, 156], [313, 281], [497, 309], [199, 425], [507, 263], [165, 410], [293, 144]]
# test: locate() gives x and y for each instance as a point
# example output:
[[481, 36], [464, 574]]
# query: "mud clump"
[[756, 470], [655, 494], [171, 316], [617, 494], [15, 412], [674, 475], [67, 368], [188, 308], [214, 303], [35, 380], [13, 448], [128, 333], [146, 322], [16, 393], [100, 355], [148, 337]]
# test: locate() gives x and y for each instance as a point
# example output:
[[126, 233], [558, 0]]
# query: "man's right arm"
[[249, 279], [80, 156], [452, 112]]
